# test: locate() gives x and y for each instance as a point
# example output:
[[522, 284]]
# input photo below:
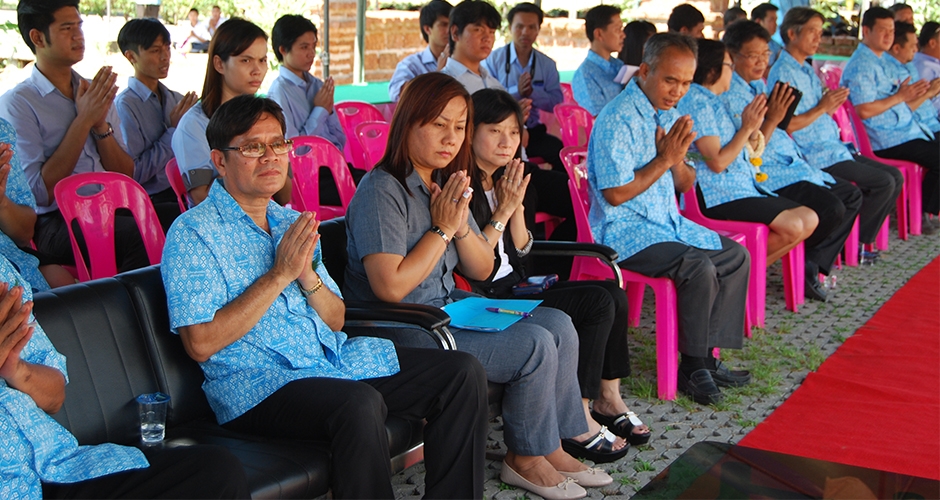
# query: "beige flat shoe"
[[592, 477], [565, 490]]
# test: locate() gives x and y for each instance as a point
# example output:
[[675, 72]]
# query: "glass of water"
[[152, 409]]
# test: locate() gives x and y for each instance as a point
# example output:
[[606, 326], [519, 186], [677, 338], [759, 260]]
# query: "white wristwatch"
[[497, 225]]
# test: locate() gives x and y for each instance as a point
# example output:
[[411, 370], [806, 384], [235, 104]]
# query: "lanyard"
[[509, 55]]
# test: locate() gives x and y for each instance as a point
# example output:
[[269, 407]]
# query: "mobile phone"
[[797, 95]]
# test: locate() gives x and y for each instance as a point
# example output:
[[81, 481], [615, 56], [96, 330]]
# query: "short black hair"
[[760, 12], [796, 18], [140, 34], [531, 8], [742, 32], [875, 13], [898, 7], [237, 116], [927, 32], [38, 15], [710, 61], [636, 33], [287, 29], [733, 14], [599, 17], [684, 16], [473, 12], [194, 10], [431, 12], [901, 29]]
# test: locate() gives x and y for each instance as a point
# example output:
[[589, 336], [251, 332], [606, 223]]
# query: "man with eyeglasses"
[[252, 301], [835, 201], [817, 134]]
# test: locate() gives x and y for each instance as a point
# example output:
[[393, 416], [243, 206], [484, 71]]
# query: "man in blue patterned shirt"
[[884, 105], [595, 81], [434, 21], [900, 66], [817, 134], [254, 305], [635, 166], [41, 459], [765, 15]]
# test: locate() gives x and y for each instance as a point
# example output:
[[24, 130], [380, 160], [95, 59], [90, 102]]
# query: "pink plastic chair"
[[574, 122], [574, 158], [310, 154], [176, 182], [830, 75], [756, 243], [568, 93], [350, 114], [95, 216], [373, 138]]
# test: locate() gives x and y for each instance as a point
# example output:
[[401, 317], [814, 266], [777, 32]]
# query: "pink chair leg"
[[915, 201], [794, 267], [902, 209], [881, 241], [667, 338], [851, 246], [634, 302]]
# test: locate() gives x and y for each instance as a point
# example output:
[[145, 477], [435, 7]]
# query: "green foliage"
[[643, 466]]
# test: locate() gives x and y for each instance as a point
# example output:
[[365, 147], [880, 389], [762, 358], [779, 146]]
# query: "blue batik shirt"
[[593, 83], [19, 193], [35, 448], [819, 141], [546, 87], [866, 77], [295, 96], [775, 50], [783, 162], [711, 118], [414, 65], [624, 140], [925, 114], [148, 131], [213, 253]]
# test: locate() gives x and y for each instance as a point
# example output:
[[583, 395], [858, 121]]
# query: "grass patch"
[[642, 387], [503, 486], [684, 402], [746, 422], [628, 481], [838, 337], [643, 466]]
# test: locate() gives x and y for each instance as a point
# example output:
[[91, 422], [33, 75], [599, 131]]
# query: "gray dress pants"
[[711, 289]]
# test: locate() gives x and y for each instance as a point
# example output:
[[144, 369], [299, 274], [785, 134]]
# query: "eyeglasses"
[[257, 149], [730, 65], [753, 58]]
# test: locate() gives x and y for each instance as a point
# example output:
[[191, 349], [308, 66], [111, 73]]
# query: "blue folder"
[[471, 313]]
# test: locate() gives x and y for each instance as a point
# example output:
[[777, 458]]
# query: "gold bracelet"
[[316, 288], [464, 234]]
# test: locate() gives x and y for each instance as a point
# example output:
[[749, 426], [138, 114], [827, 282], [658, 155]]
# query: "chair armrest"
[[432, 320], [571, 248]]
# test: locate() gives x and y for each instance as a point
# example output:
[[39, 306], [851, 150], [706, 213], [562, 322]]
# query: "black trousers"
[[202, 471], [836, 208], [446, 388], [545, 146], [927, 155], [711, 289], [52, 238], [166, 207], [880, 185]]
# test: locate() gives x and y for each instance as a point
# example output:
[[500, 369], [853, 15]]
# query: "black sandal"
[[622, 425], [598, 448]]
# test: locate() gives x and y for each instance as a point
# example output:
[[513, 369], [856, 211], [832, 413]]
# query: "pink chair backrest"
[[95, 216], [575, 123], [846, 128], [176, 182], [568, 93], [861, 135], [310, 154], [830, 75], [373, 137], [350, 114], [574, 158]]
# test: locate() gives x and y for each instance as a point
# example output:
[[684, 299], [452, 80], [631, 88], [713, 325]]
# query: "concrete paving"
[[780, 356]]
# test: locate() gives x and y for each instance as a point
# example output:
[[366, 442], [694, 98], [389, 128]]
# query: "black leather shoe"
[[724, 377], [700, 387], [814, 290]]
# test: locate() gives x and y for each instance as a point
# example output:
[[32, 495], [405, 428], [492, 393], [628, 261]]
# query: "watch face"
[[499, 226]]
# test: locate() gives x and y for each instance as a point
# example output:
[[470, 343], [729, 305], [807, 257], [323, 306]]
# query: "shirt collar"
[[598, 60], [415, 183], [457, 68], [292, 77], [46, 87], [867, 52], [642, 103], [426, 56], [785, 58], [926, 57], [140, 89]]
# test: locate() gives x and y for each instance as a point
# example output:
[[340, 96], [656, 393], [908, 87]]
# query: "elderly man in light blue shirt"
[[66, 125], [434, 21], [635, 166], [884, 105], [817, 134], [595, 81]]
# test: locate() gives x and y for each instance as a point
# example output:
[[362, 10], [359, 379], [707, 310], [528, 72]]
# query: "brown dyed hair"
[[231, 39], [422, 100]]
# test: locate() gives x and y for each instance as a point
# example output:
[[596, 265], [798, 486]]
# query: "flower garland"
[[754, 153]]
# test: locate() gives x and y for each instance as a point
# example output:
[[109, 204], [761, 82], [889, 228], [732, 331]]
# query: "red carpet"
[[876, 401]]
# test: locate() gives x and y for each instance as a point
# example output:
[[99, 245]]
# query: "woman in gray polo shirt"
[[408, 229]]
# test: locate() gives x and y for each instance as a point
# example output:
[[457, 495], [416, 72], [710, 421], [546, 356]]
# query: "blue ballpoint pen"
[[508, 311]]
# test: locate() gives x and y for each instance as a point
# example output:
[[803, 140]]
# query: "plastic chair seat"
[[350, 114], [310, 154]]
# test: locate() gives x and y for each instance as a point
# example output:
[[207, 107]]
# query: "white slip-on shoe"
[[565, 490], [593, 477]]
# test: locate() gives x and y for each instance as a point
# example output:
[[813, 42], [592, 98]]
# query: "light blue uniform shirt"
[[593, 83], [866, 77], [213, 253], [35, 448], [470, 80], [546, 87], [711, 118], [782, 160], [18, 192], [295, 96], [929, 69], [819, 141], [925, 114], [775, 50], [414, 65], [624, 140], [41, 116], [193, 155], [145, 122]]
